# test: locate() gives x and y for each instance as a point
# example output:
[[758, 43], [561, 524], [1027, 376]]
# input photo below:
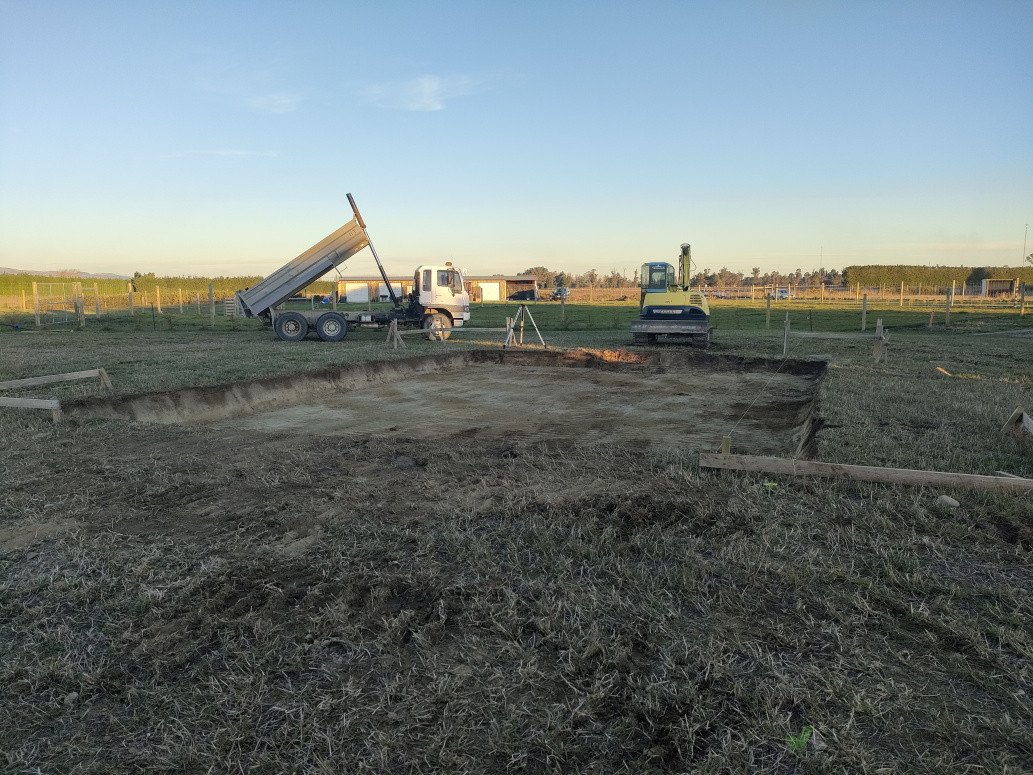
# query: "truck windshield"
[[450, 278]]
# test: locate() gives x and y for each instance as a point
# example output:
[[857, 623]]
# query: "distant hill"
[[63, 273]]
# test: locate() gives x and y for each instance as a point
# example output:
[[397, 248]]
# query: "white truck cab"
[[441, 290]]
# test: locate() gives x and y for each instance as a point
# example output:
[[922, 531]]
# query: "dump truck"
[[668, 307], [438, 303]]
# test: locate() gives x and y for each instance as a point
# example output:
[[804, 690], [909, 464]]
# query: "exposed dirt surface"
[[565, 406], [665, 401]]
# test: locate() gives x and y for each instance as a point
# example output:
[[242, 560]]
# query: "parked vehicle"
[[782, 293], [563, 292], [525, 296], [438, 302]]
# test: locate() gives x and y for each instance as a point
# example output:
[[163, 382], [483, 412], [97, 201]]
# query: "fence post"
[[79, 305], [197, 301], [902, 294], [157, 298], [767, 321], [785, 343], [952, 292], [96, 299], [879, 351], [35, 303], [180, 301], [947, 310], [23, 300], [131, 311], [864, 312], [211, 302]]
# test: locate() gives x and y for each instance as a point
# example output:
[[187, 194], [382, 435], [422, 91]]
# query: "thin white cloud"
[[276, 102], [229, 152], [424, 93]]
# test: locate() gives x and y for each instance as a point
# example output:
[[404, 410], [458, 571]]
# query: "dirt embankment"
[[647, 399]]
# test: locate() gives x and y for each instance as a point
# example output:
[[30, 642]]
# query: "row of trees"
[[870, 276], [14, 284], [550, 278], [866, 276]]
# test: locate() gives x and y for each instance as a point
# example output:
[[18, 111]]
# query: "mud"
[[657, 400]]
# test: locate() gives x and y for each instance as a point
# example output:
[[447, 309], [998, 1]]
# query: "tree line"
[[867, 276], [873, 275]]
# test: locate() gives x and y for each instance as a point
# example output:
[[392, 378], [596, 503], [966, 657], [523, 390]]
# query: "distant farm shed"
[[494, 287], [999, 287]]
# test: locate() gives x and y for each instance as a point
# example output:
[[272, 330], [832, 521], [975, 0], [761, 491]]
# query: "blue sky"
[[220, 138]]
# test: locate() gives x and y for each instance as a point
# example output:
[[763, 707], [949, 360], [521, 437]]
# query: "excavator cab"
[[657, 277]]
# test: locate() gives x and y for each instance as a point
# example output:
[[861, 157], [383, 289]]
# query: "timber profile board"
[[793, 467]]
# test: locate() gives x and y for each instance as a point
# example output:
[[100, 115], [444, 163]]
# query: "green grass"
[[225, 605]]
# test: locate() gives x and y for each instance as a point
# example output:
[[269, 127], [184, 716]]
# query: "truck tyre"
[[332, 327], [291, 326], [438, 326]]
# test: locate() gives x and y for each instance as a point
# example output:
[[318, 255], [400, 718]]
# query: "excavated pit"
[[684, 400]]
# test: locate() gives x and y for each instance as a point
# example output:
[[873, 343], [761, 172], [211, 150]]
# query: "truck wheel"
[[332, 327], [291, 326], [438, 326]]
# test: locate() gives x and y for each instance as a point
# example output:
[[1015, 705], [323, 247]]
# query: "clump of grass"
[[208, 603]]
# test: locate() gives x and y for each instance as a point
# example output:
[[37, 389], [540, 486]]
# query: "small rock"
[[403, 461], [70, 698], [817, 741], [947, 502]]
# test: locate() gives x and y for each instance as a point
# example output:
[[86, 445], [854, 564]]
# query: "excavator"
[[668, 307]]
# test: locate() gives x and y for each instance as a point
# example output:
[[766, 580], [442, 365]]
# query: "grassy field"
[[181, 599]]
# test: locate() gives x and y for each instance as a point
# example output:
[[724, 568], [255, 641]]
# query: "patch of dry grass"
[[214, 605]]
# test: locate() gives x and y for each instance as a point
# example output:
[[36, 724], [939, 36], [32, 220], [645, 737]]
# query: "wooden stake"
[[879, 352], [1018, 424], [393, 337], [767, 323], [790, 467], [864, 312], [211, 302]]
